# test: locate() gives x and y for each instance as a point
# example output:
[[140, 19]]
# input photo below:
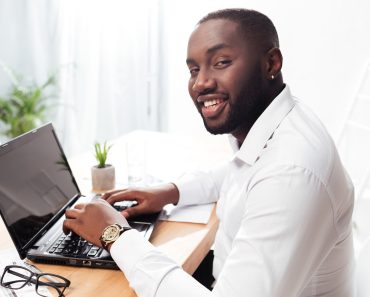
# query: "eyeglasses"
[[16, 277]]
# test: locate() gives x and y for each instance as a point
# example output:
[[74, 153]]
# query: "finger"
[[72, 213], [68, 226], [106, 195], [79, 205], [124, 195], [133, 211], [125, 214]]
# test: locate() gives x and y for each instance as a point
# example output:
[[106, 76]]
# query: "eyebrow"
[[216, 47], [211, 50]]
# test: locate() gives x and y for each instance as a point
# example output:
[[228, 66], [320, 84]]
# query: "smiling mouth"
[[212, 103], [212, 108]]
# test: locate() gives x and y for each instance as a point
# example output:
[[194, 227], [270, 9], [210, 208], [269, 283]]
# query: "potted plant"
[[25, 107], [102, 174]]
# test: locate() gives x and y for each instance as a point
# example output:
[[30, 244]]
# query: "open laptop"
[[36, 188]]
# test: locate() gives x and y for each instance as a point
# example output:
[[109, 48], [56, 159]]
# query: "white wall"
[[325, 46]]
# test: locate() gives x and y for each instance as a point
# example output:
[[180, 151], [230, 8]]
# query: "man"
[[284, 201]]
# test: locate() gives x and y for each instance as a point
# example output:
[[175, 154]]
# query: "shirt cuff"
[[130, 243], [144, 266]]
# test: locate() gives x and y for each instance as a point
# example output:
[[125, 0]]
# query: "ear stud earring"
[[272, 76]]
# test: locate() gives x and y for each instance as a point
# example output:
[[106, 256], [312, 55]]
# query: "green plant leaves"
[[101, 153], [25, 107]]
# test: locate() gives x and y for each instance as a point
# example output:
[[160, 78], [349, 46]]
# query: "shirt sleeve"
[[201, 187], [287, 229], [150, 272]]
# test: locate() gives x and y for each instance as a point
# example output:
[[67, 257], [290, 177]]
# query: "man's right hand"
[[149, 200]]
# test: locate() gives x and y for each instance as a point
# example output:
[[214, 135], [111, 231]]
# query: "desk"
[[186, 243]]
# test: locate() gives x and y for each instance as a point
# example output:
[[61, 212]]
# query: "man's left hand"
[[89, 220]]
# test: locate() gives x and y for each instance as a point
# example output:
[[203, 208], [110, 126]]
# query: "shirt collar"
[[263, 128]]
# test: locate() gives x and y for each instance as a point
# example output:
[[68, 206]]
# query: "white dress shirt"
[[285, 207]]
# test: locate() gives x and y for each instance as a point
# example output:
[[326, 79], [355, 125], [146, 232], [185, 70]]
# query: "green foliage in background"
[[25, 107], [101, 153]]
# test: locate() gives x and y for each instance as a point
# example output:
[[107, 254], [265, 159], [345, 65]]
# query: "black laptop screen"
[[35, 183]]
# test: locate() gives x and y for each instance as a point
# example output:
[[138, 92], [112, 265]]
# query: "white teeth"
[[212, 102]]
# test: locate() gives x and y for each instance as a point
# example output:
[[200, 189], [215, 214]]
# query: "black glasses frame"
[[34, 278]]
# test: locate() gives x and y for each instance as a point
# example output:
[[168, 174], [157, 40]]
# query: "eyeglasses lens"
[[51, 282], [16, 277]]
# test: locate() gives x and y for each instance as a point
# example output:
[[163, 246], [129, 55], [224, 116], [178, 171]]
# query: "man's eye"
[[223, 63], [193, 71]]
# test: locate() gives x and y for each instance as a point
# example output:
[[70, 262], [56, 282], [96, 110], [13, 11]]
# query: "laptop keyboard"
[[75, 246]]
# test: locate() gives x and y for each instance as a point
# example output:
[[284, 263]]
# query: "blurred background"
[[105, 68]]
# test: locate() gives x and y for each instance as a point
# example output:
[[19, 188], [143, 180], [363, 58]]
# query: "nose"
[[203, 83]]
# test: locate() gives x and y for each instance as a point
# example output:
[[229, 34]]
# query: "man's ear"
[[274, 62]]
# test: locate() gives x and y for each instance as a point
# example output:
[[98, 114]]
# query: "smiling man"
[[284, 201]]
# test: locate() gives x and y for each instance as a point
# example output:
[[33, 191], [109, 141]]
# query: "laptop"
[[37, 186]]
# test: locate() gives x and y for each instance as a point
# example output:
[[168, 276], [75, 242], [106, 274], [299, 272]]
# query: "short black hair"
[[253, 23]]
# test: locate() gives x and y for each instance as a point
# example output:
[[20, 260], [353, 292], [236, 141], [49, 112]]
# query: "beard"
[[244, 109]]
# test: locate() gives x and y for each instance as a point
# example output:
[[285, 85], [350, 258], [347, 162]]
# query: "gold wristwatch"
[[111, 233]]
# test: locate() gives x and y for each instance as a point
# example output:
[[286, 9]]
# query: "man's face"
[[225, 77]]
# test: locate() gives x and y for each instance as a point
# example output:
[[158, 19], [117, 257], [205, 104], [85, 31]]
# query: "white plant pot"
[[103, 179]]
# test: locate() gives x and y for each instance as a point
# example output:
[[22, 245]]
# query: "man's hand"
[[150, 200], [89, 220]]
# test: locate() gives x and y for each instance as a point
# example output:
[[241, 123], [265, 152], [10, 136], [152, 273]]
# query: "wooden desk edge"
[[197, 256]]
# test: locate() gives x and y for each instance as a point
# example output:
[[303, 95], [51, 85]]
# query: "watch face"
[[111, 233]]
